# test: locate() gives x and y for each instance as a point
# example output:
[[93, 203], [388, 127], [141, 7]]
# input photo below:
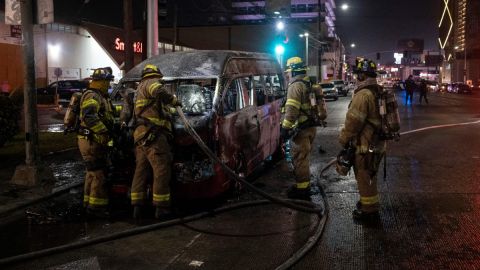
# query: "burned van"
[[233, 100]]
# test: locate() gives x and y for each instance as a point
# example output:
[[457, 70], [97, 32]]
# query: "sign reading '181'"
[[120, 46]]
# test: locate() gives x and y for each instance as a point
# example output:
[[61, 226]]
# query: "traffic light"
[[378, 56], [279, 49]]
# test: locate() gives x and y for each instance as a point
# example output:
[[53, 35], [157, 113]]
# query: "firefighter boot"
[[364, 216], [162, 213], [97, 212], [298, 193], [361, 215]]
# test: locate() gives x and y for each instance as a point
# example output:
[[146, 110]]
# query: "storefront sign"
[[44, 11], [120, 46], [16, 31], [12, 12]]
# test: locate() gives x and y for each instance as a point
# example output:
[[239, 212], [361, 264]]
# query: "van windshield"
[[196, 97]]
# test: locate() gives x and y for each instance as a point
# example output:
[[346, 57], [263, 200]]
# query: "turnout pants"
[[154, 156], [301, 147], [94, 155], [365, 169]]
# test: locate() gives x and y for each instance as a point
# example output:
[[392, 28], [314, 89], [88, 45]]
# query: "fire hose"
[[302, 206]]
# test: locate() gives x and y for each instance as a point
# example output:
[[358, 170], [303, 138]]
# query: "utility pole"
[[152, 28], [127, 27], [175, 29], [465, 62], [31, 173], [306, 48]]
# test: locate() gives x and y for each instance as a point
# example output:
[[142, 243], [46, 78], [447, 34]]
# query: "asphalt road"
[[429, 209]]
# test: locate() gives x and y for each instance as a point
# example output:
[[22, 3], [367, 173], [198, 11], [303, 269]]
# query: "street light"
[[352, 45], [280, 25], [344, 7], [306, 46]]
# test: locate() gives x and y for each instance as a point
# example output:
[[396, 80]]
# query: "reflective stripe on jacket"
[[96, 113], [297, 106], [363, 121], [151, 106]]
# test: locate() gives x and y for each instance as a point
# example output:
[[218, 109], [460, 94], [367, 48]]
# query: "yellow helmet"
[[295, 64], [103, 74], [366, 66], [151, 70]]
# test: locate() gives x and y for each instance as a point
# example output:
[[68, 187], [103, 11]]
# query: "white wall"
[[70, 51]]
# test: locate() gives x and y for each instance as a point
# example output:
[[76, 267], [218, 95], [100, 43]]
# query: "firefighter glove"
[[102, 138], [176, 102]]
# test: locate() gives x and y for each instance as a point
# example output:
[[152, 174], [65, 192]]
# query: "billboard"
[[410, 45]]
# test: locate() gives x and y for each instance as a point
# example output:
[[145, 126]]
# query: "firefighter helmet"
[[366, 66], [103, 74], [295, 64], [151, 70]]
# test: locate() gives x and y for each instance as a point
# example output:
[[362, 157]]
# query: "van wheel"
[[335, 98]]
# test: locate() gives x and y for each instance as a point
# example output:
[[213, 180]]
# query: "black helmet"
[[103, 74], [151, 70], [365, 66]]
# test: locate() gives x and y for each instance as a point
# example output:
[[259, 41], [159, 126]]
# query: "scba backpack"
[[318, 110], [319, 107], [388, 108], [71, 121]]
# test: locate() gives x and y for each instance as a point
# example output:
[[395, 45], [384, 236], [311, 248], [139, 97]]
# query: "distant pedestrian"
[[409, 88], [423, 91]]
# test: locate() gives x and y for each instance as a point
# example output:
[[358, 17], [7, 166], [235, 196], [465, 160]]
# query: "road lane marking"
[[440, 126]]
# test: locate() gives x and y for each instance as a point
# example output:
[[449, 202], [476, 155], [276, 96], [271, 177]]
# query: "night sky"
[[377, 25], [373, 25]]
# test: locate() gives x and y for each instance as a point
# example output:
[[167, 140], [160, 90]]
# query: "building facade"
[[75, 49], [459, 29], [250, 26]]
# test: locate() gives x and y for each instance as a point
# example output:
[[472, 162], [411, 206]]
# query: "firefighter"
[[94, 136], [409, 89], [423, 91], [362, 126], [297, 120], [152, 137]]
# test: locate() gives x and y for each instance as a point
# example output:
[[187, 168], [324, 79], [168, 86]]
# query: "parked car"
[[443, 88], [65, 88], [432, 86], [329, 90], [387, 83], [232, 99], [461, 88], [341, 87]]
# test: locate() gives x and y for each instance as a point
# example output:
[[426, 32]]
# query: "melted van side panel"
[[248, 136]]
